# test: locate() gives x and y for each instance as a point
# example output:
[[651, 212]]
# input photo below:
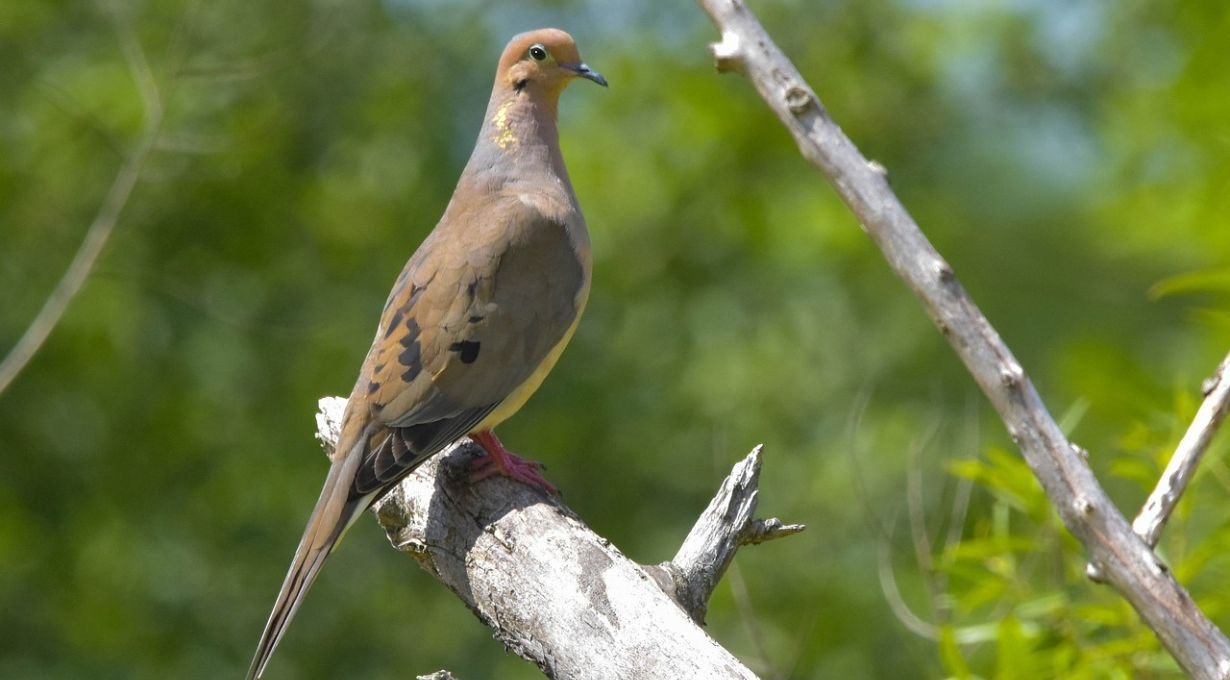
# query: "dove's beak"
[[584, 71]]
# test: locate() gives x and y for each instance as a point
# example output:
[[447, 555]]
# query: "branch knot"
[[798, 99]]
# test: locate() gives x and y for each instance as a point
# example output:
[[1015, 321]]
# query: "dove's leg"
[[501, 461]]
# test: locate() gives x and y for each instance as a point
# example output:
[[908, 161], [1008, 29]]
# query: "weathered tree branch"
[[1152, 518], [438, 675], [556, 593], [1127, 562], [728, 523]]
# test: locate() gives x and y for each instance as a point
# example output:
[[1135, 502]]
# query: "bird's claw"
[[501, 461]]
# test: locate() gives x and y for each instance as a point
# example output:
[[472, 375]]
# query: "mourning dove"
[[475, 321]]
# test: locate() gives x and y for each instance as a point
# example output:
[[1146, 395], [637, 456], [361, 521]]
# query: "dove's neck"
[[519, 141]]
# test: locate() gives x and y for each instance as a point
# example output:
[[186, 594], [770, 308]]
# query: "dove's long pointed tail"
[[333, 514]]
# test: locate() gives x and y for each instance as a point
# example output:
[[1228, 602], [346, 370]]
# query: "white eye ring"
[[538, 52]]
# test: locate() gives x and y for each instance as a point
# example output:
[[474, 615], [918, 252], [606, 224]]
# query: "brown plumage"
[[475, 321]]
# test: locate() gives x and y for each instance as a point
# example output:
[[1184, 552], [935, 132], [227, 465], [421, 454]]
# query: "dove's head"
[[543, 62]]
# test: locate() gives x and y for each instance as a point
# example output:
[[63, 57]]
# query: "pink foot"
[[501, 461]]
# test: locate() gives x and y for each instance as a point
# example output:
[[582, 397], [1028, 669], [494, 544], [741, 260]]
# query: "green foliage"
[[1017, 581], [156, 458], [1018, 569]]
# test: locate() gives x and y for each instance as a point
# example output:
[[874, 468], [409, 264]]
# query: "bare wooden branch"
[[1128, 563], [1152, 518], [554, 592], [728, 523]]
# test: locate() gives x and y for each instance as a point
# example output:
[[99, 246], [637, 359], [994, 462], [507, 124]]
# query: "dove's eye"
[[538, 52]]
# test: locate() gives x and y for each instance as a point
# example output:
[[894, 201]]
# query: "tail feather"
[[335, 511]]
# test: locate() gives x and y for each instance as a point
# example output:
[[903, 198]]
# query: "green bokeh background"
[[1071, 159]]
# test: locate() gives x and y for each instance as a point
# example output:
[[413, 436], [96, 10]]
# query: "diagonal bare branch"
[[1152, 518], [108, 212], [1127, 562]]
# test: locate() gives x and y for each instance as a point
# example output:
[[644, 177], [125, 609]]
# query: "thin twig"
[[751, 624], [108, 213], [1128, 563], [870, 512], [956, 519], [965, 486], [892, 594], [917, 513], [1152, 518]]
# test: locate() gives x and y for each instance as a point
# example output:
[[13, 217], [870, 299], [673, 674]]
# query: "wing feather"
[[461, 332]]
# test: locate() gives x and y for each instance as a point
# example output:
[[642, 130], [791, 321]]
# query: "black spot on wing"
[[404, 310], [394, 322], [467, 350], [412, 356], [412, 332]]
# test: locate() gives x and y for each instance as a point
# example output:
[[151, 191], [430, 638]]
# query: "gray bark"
[[1152, 518], [553, 591], [1116, 552]]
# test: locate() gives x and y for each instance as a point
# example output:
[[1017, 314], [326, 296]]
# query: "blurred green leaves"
[[156, 459]]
